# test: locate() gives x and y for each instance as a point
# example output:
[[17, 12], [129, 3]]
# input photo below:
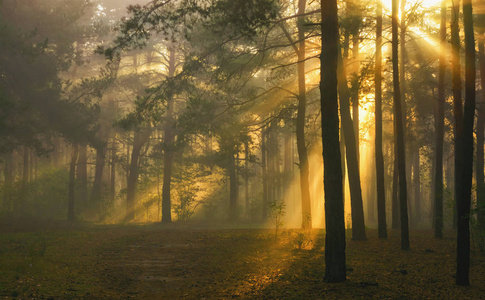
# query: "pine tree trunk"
[[356, 203], [440, 117], [417, 184], [264, 173], [169, 145], [381, 193], [82, 173], [464, 196], [140, 138], [335, 269], [306, 210], [72, 183], [233, 211], [399, 125], [480, 142]]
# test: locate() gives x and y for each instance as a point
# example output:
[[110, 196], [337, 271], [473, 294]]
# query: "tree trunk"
[[356, 204], [8, 184], [306, 209], [97, 191], [246, 178], [233, 211], [25, 181], [399, 125], [480, 141], [396, 214], [140, 138], [264, 173], [71, 216], [82, 173], [169, 148], [381, 193], [440, 117], [417, 184], [464, 191], [335, 269], [112, 188], [457, 99]]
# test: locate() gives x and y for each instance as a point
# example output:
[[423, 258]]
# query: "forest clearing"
[[59, 261]]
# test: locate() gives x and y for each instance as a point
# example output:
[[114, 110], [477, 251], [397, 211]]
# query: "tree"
[[381, 201], [398, 120], [357, 208], [463, 201], [335, 269], [439, 125]]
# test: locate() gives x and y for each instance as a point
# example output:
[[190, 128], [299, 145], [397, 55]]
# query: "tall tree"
[[399, 126], [357, 207], [464, 190], [439, 124], [169, 145], [335, 270], [381, 193], [300, 121], [479, 169]]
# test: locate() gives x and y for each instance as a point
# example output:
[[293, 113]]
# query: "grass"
[[63, 261]]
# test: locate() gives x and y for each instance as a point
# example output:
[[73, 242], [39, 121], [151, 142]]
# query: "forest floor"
[[61, 260]]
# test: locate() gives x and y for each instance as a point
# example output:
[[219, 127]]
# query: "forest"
[[255, 149]]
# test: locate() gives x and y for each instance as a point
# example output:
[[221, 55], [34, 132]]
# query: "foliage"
[[277, 213]]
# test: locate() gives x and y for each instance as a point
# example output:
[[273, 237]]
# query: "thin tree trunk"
[[264, 173], [233, 213], [381, 193], [82, 173], [71, 216], [140, 138], [417, 184], [169, 145], [399, 125], [396, 213], [112, 189], [464, 196], [480, 141], [246, 178], [8, 185], [306, 209], [97, 191], [335, 269], [356, 204], [25, 181], [440, 117]]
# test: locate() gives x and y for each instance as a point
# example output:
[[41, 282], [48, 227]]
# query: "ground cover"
[[61, 260]]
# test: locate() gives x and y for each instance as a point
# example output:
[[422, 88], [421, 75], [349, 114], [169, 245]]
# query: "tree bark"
[[82, 173], [306, 210], [264, 172], [233, 209], [480, 141], [97, 191], [381, 193], [464, 191], [71, 216], [399, 125], [356, 204], [140, 138], [440, 118], [169, 148], [335, 269]]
